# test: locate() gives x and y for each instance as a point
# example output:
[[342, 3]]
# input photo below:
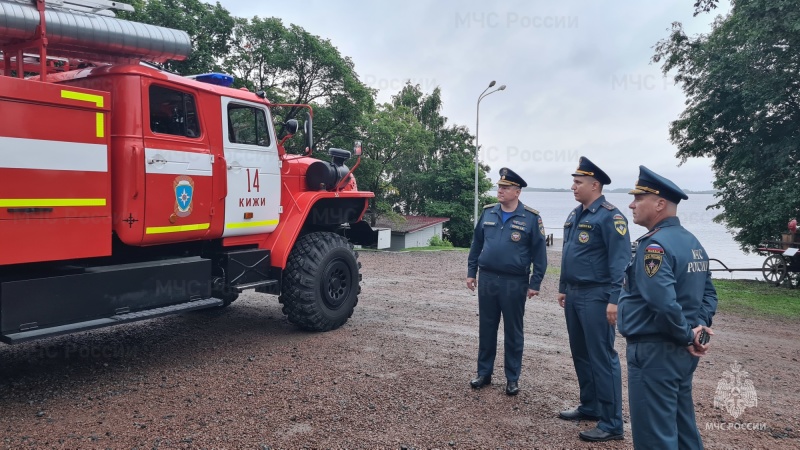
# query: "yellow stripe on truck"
[[100, 127], [100, 124], [263, 223], [177, 228], [44, 202], [91, 98]]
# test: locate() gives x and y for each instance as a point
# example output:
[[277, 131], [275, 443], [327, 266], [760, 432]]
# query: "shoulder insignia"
[[528, 208], [635, 244], [650, 233], [653, 255], [608, 206], [490, 205], [620, 224]]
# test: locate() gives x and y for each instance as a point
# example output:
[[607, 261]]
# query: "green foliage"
[[743, 86], [451, 185], [209, 26], [392, 137], [436, 241], [440, 181], [758, 298], [701, 6], [294, 66], [288, 63]]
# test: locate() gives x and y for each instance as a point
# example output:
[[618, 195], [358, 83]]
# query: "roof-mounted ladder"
[[16, 52], [100, 7]]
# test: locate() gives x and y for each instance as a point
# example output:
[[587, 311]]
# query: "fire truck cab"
[[127, 192]]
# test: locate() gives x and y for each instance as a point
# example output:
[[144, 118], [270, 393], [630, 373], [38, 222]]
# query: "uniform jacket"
[[597, 247], [509, 248], [667, 288]]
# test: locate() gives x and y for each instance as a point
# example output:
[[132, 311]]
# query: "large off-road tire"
[[321, 282]]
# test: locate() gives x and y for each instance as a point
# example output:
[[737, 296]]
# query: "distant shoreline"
[[610, 191]]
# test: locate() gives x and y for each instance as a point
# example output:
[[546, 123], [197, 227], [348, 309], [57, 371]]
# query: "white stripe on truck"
[[18, 153]]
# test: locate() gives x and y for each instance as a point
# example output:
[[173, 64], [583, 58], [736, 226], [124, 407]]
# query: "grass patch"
[[748, 297], [553, 271]]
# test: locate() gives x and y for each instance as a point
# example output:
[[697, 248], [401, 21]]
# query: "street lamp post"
[[477, 122]]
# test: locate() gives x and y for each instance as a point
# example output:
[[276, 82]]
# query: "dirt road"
[[395, 376]]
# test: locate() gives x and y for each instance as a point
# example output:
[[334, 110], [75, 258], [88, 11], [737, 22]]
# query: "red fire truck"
[[127, 192]]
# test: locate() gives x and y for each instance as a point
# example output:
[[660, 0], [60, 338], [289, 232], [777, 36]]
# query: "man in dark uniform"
[[597, 248], [666, 306], [509, 237]]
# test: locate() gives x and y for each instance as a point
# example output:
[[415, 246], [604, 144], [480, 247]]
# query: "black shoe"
[[575, 414], [480, 381], [512, 388], [598, 435]]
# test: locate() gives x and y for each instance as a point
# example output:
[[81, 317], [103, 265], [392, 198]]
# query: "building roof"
[[410, 224]]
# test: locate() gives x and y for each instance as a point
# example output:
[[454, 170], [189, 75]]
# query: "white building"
[[412, 231]]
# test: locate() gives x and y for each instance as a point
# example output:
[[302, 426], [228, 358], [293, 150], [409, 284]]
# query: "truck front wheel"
[[321, 282]]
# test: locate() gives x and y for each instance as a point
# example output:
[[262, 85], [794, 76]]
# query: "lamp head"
[[501, 87], [492, 83]]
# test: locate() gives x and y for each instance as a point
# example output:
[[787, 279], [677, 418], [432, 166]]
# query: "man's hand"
[[611, 314], [562, 299], [532, 293], [471, 283], [698, 349]]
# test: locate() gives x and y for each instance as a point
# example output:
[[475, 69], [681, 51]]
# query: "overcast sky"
[[578, 76]]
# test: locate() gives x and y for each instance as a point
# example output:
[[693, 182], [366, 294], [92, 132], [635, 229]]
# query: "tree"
[[451, 183], [288, 63], [441, 180], [392, 134], [294, 66], [257, 56], [742, 83], [414, 174], [210, 28]]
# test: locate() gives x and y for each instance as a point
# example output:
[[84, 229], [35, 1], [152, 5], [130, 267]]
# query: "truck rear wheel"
[[321, 282]]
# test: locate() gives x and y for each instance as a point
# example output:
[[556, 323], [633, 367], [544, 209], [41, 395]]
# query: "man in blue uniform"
[[597, 248], [666, 306], [509, 237]]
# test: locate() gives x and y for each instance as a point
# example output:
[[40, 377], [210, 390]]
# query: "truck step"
[[256, 284], [37, 333]]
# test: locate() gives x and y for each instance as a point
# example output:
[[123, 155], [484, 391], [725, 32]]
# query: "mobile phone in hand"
[[704, 337]]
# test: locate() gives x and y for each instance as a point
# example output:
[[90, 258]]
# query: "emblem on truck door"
[[184, 192]]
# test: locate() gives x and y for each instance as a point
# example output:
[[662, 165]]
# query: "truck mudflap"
[[361, 233]]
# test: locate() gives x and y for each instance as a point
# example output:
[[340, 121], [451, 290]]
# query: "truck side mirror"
[[309, 132], [291, 126]]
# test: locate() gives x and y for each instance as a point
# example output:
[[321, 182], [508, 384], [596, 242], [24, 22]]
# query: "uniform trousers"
[[660, 395], [498, 295], [591, 341]]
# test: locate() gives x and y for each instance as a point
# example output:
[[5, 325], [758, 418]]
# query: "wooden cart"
[[782, 264]]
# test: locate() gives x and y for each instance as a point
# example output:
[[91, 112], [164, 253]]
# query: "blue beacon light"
[[220, 79]]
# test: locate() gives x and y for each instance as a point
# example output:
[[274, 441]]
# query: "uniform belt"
[[637, 338], [586, 285], [504, 274]]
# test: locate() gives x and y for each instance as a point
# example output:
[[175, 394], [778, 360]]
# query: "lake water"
[[719, 244]]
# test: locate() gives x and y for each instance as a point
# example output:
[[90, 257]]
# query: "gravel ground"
[[395, 376]]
